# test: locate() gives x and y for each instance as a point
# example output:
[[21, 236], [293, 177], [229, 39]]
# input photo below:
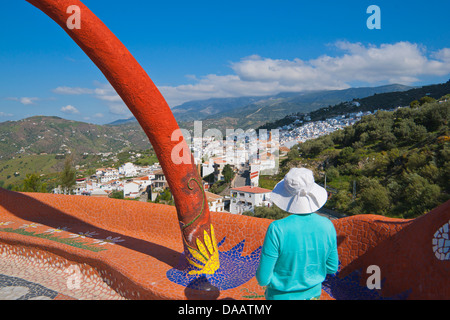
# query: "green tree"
[[317, 146], [228, 173], [430, 172], [293, 153], [414, 104], [418, 133], [332, 174], [388, 141], [416, 160], [345, 155], [340, 201], [426, 99], [165, 197], [33, 183], [116, 195], [68, 176], [375, 199], [444, 177], [420, 196], [273, 213]]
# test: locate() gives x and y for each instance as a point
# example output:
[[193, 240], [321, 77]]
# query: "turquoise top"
[[297, 254]]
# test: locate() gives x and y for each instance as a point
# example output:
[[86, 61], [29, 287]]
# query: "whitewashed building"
[[105, 175], [247, 198], [135, 187], [207, 168], [132, 189], [128, 170]]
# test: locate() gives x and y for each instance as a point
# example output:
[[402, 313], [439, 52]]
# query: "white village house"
[[135, 187], [247, 198], [107, 174], [128, 170], [215, 202]]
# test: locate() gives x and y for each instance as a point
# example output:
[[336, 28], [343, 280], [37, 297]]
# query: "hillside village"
[[245, 152]]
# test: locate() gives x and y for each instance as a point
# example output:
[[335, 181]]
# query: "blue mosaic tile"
[[234, 270], [349, 288]]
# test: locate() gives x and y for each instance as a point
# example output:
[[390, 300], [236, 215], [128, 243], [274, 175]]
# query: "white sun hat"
[[298, 193]]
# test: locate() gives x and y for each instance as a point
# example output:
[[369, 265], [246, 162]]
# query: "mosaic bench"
[[95, 248]]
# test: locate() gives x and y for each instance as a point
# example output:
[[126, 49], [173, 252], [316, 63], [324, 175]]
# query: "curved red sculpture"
[[149, 107]]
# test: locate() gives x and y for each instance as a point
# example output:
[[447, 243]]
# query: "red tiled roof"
[[212, 196], [252, 189]]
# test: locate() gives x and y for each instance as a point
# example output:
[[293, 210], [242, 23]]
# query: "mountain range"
[[252, 112], [53, 135], [384, 101]]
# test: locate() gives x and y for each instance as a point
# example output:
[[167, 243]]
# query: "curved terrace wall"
[[147, 259]]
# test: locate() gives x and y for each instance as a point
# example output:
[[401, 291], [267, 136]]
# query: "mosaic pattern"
[[12, 288], [350, 288], [150, 263], [234, 271], [50, 234], [206, 256], [441, 243], [251, 294], [29, 273]]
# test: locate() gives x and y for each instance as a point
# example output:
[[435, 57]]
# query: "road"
[[242, 179]]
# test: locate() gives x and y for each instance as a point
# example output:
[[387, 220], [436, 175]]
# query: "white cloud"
[[70, 110], [443, 55], [26, 100], [119, 109], [104, 92], [23, 100], [73, 90], [401, 62], [4, 114], [110, 97]]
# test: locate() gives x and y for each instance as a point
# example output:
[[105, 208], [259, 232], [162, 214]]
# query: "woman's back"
[[298, 252]]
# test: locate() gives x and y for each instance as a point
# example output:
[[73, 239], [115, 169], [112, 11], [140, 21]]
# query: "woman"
[[301, 249]]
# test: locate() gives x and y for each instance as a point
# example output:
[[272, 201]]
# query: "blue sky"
[[201, 49]]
